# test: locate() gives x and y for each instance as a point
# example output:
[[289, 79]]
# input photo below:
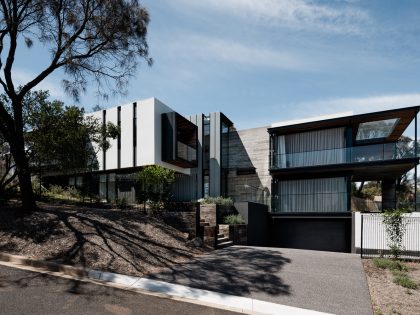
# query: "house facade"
[[302, 170]]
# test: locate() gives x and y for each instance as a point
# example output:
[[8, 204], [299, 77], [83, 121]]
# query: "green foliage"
[[398, 270], [234, 219], [402, 279], [67, 193], [217, 200], [60, 137], [121, 203], [385, 263], [395, 227], [368, 190], [155, 184]]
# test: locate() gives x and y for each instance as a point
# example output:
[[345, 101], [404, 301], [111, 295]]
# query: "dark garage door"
[[314, 233]]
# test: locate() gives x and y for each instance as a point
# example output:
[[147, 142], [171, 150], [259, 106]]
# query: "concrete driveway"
[[322, 281]]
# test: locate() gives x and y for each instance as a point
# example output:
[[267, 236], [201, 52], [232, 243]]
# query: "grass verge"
[[398, 270]]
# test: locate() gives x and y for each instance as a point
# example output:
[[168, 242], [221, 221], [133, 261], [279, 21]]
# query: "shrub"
[[395, 227], [385, 263], [402, 279], [234, 219], [56, 190], [217, 200], [121, 203], [155, 185]]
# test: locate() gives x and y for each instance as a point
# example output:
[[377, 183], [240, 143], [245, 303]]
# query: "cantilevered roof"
[[401, 117]]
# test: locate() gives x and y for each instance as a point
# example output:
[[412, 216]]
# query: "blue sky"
[[262, 61]]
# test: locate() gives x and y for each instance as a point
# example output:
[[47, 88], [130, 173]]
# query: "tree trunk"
[[17, 148]]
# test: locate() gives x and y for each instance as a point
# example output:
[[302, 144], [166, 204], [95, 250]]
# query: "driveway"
[[322, 281]]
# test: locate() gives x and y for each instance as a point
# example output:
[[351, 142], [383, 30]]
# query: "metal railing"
[[358, 154], [374, 241]]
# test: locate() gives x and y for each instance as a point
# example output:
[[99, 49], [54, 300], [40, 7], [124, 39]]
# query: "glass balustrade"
[[350, 155]]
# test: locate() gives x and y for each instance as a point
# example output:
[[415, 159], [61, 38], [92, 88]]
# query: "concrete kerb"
[[161, 289]]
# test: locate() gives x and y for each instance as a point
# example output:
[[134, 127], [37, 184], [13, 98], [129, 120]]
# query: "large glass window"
[[311, 195], [376, 129]]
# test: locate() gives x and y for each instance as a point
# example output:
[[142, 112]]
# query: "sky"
[[263, 61]]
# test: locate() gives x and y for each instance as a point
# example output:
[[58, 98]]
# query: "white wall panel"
[[112, 152], [145, 132], [127, 135]]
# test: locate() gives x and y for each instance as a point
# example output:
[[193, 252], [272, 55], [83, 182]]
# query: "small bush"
[[217, 200], [402, 279], [234, 219], [121, 203], [56, 190], [385, 263]]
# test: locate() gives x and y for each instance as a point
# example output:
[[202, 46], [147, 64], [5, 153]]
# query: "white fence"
[[370, 237]]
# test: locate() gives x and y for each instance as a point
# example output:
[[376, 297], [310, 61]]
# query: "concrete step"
[[202, 220], [220, 235], [225, 244], [222, 240], [204, 224]]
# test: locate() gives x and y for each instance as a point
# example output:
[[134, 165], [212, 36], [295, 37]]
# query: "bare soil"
[[388, 297], [122, 241]]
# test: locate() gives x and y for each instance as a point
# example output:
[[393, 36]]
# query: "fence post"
[[361, 235]]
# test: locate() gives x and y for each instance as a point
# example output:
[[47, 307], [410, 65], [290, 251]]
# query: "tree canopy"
[[100, 41]]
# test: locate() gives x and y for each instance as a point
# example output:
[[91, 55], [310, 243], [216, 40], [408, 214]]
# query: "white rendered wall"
[[112, 152], [146, 132], [127, 135], [149, 133]]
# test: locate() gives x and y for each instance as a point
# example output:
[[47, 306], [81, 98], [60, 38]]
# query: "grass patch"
[[402, 279], [389, 264], [398, 270]]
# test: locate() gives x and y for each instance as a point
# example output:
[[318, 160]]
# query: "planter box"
[[237, 233], [215, 214]]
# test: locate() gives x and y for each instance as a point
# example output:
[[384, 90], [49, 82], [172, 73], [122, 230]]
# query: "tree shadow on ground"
[[16, 279], [127, 242], [237, 270]]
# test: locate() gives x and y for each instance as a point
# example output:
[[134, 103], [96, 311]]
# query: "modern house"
[[314, 163], [302, 170]]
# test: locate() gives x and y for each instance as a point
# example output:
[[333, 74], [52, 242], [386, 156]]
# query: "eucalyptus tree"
[[100, 41]]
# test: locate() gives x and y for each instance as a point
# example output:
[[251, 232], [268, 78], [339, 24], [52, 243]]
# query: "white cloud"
[[296, 14], [22, 77], [210, 48], [357, 105]]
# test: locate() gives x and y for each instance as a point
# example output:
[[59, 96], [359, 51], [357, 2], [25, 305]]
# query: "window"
[[376, 129]]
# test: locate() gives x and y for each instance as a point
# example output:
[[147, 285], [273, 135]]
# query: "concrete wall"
[[249, 148]]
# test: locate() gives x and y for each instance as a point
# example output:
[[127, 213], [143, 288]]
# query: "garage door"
[[314, 233]]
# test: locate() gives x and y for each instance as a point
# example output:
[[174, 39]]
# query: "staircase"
[[222, 241]]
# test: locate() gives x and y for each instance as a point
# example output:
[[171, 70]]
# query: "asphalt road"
[[25, 292]]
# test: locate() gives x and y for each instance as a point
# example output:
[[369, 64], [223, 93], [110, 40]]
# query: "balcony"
[[351, 155], [186, 153]]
